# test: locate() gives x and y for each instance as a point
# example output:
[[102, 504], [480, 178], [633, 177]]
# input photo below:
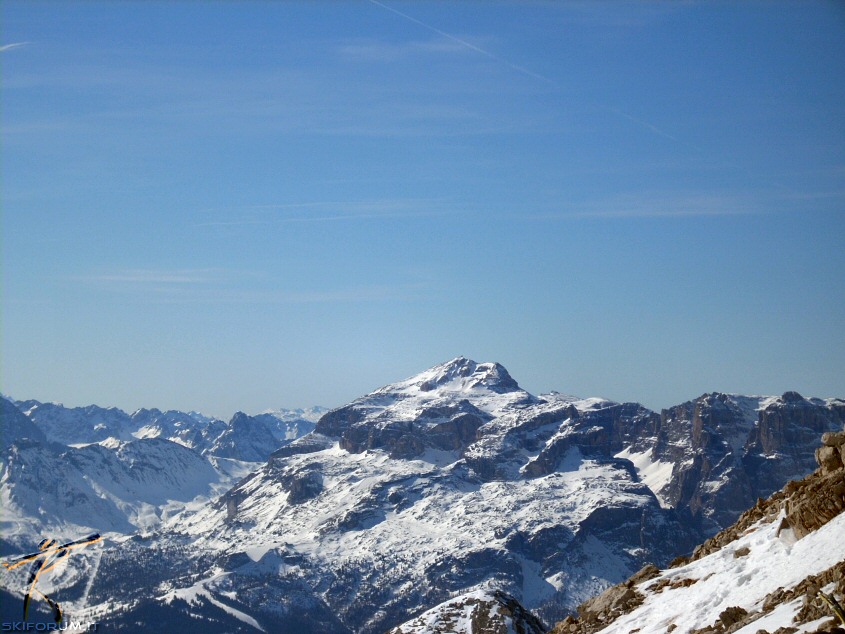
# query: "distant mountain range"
[[107, 470], [454, 487]]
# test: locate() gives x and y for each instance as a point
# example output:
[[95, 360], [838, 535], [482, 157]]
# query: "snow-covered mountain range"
[[451, 482], [66, 470]]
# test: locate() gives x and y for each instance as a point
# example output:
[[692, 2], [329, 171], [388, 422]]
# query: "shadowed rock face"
[[444, 427], [729, 450], [245, 438], [14, 426], [791, 426], [597, 434]]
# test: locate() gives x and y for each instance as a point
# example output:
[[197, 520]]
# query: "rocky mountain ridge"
[[780, 541], [260, 434], [453, 481]]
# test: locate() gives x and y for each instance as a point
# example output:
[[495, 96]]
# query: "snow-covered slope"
[[245, 438], [762, 574], [195, 431], [128, 487], [308, 414], [66, 470], [695, 595], [77, 425], [90, 424]]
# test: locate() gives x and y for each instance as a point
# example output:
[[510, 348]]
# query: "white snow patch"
[[655, 474], [192, 593]]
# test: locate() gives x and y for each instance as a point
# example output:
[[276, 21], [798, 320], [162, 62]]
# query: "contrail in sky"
[[646, 124], [468, 45], [520, 69]]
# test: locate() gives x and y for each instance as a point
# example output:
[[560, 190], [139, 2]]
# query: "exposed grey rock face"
[[727, 451], [782, 446]]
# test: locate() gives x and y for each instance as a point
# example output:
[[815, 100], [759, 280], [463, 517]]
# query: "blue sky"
[[223, 206]]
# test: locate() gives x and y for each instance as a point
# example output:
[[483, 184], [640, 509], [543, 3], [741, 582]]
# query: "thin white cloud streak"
[[232, 223], [796, 195], [159, 287], [266, 101], [377, 210], [657, 213], [138, 277], [12, 45], [306, 219], [657, 207], [641, 122], [464, 43], [398, 292], [378, 51], [525, 71], [371, 216]]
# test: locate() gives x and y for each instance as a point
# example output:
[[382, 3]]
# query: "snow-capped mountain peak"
[[458, 375], [437, 487], [440, 408]]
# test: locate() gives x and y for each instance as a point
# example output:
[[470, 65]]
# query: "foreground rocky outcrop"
[[766, 548]]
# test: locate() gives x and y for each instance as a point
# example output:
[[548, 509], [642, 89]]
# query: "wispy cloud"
[[12, 45], [265, 101], [658, 206], [151, 276], [363, 293], [326, 211], [223, 286]]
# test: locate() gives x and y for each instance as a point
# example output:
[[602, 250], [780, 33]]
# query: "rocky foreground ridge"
[[806, 512]]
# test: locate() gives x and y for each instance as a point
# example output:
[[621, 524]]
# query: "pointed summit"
[[461, 375]]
